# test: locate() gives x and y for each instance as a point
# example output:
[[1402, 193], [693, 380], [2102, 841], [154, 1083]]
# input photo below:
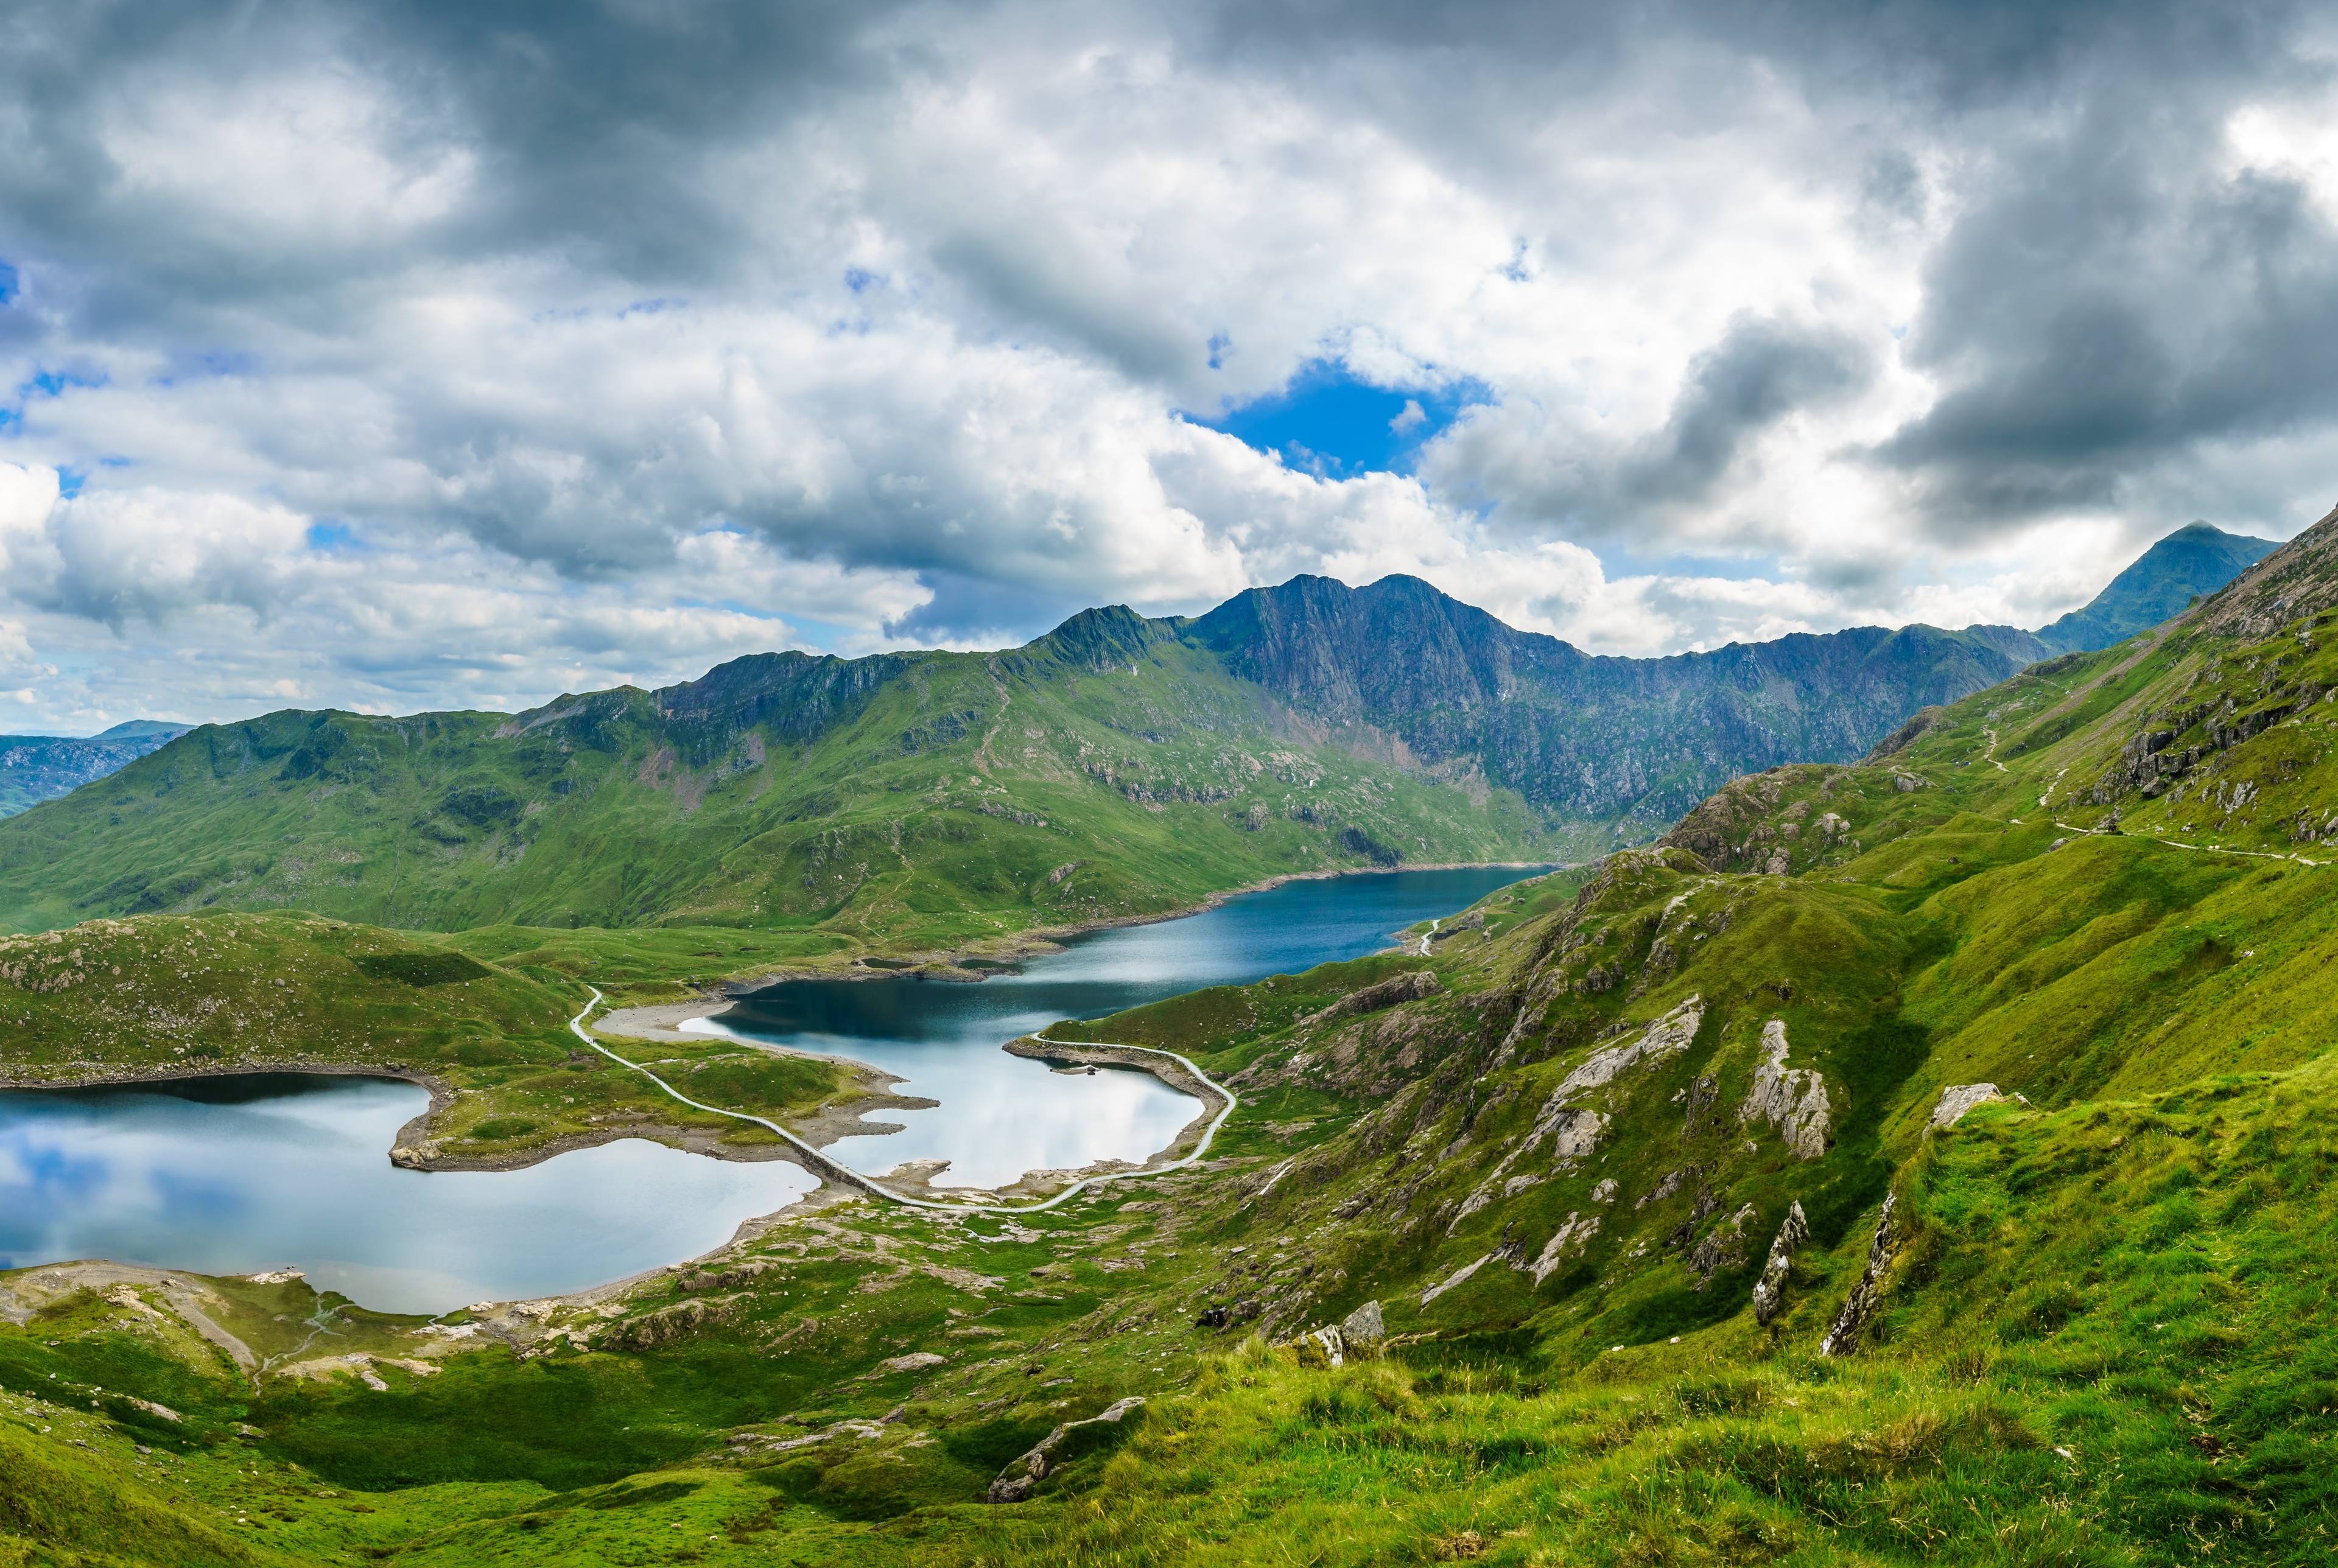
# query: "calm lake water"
[[1000, 1115], [237, 1175]]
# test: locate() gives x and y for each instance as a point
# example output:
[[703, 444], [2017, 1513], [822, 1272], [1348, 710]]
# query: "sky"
[[417, 355]]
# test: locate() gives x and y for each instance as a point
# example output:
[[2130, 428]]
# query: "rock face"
[[1574, 1132], [1769, 1290], [1859, 1308], [1595, 739], [1792, 1099], [1958, 1098], [1016, 1481]]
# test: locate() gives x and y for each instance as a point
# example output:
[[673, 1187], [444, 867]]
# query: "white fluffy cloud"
[[394, 358]]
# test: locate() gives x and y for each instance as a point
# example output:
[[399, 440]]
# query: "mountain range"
[[37, 767], [1117, 766]]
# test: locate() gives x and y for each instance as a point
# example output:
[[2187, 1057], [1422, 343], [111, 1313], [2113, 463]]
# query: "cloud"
[[417, 352]]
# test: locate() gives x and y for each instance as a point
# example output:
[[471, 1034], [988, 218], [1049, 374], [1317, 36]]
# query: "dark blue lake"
[[1001, 1116]]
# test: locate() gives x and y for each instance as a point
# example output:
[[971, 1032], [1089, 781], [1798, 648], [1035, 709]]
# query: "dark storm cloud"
[[1761, 372], [2113, 302], [590, 126]]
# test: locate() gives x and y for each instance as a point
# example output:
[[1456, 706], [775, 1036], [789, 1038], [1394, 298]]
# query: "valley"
[[1917, 1155]]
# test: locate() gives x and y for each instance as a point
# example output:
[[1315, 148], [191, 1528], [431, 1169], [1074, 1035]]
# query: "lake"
[[239, 1174], [258, 1172], [1001, 1116]]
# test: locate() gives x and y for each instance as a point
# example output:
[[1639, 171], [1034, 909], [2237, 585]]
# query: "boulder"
[[1365, 1326], [1328, 1344]]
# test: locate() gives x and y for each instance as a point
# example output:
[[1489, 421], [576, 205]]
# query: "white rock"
[[1958, 1098], [1792, 1099]]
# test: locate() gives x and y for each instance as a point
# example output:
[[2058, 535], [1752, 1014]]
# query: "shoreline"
[[944, 964]]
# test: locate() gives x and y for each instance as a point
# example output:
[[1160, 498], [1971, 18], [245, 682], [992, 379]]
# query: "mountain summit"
[[2194, 560]]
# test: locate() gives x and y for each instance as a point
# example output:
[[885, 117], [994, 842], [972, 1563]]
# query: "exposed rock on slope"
[[1793, 1100]]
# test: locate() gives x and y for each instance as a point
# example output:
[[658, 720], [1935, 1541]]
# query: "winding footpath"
[[821, 1164]]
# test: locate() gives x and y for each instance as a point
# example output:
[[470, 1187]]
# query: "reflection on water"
[[1000, 1115], [233, 1175]]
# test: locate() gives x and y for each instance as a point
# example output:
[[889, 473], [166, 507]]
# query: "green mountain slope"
[[2194, 560], [2084, 1322], [1107, 770], [1117, 766]]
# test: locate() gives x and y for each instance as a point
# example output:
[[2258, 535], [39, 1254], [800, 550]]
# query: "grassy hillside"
[[941, 800], [2093, 1322], [164, 995]]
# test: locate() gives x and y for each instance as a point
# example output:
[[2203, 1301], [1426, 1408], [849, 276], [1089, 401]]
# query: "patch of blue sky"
[[53, 383], [330, 536], [70, 480], [8, 284], [208, 365], [1329, 421]]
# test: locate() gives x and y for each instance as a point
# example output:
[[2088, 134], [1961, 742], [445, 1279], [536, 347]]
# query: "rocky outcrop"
[[1364, 1327], [1866, 1298], [1792, 1099], [1017, 1481], [1461, 1276], [701, 1282], [1723, 1247], [1769, 1290], [1409, 986], [1574, 1132], [1573, 1235], [915, 1361], [1958, 1098], [668, 1324]]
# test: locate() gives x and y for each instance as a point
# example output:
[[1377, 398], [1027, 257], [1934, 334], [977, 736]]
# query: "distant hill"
[[2197, 559], [37, 767]]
